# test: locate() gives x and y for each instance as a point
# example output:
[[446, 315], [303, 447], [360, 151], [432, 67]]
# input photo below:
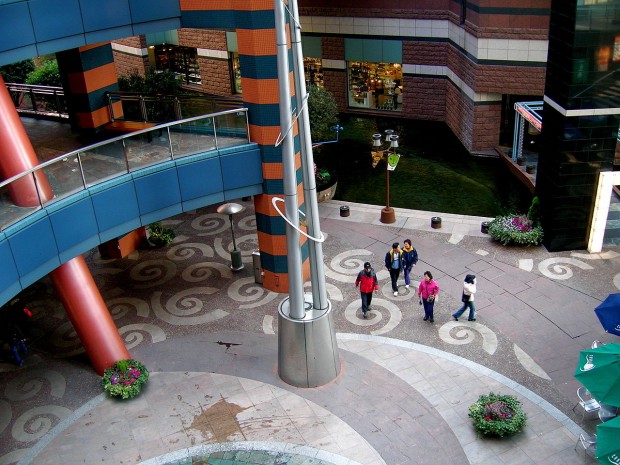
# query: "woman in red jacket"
[[367, 282], [427, 292]]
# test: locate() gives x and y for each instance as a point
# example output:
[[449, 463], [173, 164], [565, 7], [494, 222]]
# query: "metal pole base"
[[388, 215], [307, 349], [236, 262]]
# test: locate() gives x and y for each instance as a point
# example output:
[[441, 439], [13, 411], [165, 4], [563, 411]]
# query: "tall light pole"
[[235, 256], [378, 152]]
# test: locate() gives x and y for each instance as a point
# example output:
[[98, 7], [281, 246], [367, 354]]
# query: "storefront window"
[[180, 60], [375, 85], [313, 70], [236, 70]]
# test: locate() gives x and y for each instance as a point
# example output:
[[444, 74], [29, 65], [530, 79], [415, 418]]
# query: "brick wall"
[[336, 82], [202, 38], [333, 48], [424, 98], [215, 75], [129, 63]]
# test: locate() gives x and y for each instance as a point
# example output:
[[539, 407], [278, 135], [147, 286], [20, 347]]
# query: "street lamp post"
[[387, 213], [235, 256]]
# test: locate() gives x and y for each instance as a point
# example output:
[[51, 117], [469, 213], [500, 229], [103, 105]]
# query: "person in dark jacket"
[[394, 263], [410, 258], [367, 282]]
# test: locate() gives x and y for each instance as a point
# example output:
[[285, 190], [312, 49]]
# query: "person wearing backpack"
[[367, 283]]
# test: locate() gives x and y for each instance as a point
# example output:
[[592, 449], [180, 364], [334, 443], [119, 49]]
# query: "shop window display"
[[180, 60], [313, 71], [236, 72], [375, 85]]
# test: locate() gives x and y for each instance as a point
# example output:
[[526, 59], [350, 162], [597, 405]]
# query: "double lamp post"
[[389, 151]]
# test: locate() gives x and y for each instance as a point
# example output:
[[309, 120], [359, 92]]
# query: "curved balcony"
[[84, 198]]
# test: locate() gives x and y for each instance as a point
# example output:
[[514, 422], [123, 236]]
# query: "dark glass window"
[[180, 60]]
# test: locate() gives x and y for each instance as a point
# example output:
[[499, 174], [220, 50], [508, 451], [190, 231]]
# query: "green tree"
[[46, 75], [323, 114], [17, 72]]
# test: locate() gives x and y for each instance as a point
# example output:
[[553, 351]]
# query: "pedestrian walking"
[[367, 283], [427, 295], [13, 321], [394, 263], [469, 289], [410, 258]]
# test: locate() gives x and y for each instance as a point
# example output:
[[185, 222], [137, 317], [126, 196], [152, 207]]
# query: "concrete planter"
[[327, 193]]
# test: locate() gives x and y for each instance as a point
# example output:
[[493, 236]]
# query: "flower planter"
[[497, 415], [521, 161], [124, 379], [530, 169]]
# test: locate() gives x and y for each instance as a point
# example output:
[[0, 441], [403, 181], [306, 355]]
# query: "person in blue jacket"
[[410, 258], [394, 264]]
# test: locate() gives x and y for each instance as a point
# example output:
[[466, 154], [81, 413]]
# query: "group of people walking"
[[405, 259]]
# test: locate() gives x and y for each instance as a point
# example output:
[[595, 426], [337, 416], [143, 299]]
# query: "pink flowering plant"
[[497, 415], [518, 229], [124, 379]]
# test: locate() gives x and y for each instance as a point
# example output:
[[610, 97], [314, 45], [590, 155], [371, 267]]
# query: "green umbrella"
[[599, 372], [607, 444]]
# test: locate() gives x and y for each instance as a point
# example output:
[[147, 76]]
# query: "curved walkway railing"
[[84, 168]]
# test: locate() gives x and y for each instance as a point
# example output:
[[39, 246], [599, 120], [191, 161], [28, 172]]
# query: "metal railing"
[[132, 106], [76, 171], [39, 100]]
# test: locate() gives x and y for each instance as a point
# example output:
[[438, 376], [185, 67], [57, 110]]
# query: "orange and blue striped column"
[[88, 73], [254, 22]]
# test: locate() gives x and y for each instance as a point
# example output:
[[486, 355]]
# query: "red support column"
[[73, 282], [88, 313], [17, 155]]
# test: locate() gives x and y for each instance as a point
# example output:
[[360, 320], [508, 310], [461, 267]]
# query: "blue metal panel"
[[156, 26], [107, 35], [156, 191], [200, 202], [116, 209], [75, 228], [241, 169], [353, 49], [154, 10], [99, 15], [53, 19], [34, 250], [261, 67], [63, 43], [245, 191], [200, 179], [16, 26], [9, 279]]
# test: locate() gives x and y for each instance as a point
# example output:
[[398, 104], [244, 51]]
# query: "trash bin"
[[344, 211], [258, 271]]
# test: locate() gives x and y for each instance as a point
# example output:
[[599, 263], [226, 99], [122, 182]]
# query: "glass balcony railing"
[[76, 171]]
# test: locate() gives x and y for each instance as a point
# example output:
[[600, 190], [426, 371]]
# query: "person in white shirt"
[[469, 289]]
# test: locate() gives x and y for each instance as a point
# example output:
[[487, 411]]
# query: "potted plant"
[[159, 235], [497, 415], [124, 379]]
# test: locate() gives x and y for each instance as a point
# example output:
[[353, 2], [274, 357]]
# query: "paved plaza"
[[209, 338]]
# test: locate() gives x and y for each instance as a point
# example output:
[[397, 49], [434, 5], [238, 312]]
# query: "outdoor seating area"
[[599, 373]]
